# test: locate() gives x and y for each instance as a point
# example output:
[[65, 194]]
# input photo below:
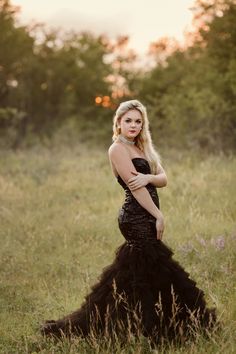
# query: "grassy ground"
[[59, 228]]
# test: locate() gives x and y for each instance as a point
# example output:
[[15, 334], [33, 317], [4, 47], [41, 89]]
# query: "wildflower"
[[220, 243]]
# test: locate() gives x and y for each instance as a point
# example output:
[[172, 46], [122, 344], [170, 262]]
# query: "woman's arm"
[[141, 180], [160, 179], [124, 165]]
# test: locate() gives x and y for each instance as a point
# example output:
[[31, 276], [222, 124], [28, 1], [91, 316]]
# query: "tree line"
[[50, 79]]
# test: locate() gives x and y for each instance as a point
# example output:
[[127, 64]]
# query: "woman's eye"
[[128, 121]]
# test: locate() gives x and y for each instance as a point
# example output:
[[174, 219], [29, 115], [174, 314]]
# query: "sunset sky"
[[145, 21]]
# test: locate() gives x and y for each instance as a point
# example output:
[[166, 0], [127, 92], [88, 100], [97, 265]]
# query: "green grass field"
[[59, 229]]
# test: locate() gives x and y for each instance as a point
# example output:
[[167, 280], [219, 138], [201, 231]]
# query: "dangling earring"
[[119, 130]]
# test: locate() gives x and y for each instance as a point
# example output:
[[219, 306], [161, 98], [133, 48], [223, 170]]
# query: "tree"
[[16, 47], [191, 94]]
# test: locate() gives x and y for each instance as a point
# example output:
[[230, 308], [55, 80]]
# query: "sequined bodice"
[[131, 210]]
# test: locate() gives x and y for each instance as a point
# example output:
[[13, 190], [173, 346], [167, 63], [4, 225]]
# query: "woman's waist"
[[131, 202], [137, 217], [133, 212]]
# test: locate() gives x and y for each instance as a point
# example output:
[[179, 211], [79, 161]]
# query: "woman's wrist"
[[149, 178], [158, 214], [159, 180]]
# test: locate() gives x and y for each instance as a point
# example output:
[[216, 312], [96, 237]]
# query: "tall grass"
[[59, 229]]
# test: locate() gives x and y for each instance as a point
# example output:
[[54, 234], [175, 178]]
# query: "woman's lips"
[[132, 131]]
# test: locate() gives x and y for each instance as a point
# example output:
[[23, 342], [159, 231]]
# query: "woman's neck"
[[125, 140]]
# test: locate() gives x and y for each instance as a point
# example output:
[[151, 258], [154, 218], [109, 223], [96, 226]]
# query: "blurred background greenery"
[[65, 86]]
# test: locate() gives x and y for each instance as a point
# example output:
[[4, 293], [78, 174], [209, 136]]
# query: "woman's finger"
[[160, 234], [131, 179]]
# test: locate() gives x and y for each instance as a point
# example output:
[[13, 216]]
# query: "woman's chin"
[[131, 135]]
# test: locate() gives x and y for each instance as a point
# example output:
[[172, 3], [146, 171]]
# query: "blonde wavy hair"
[[143, 140]]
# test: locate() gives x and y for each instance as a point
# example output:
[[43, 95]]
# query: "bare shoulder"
[[116, 149], [121, 161]]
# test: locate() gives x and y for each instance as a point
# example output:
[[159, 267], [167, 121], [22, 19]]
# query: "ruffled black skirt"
[[143, 292]]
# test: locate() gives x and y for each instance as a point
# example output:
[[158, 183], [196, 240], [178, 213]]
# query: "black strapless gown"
[[144, 291]]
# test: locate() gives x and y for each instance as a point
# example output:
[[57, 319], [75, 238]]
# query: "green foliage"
[[55, 77], [12, 127], [192, 96], [48, 75], [16, 48]]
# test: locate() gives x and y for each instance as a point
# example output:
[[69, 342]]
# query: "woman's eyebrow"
[[133, 118]]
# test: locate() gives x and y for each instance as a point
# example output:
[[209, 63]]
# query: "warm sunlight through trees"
[[50, 78]]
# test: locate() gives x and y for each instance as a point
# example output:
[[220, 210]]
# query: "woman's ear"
[[118, 126]]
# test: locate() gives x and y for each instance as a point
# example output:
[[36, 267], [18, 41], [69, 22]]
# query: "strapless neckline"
[[135, 158], [142, 158]]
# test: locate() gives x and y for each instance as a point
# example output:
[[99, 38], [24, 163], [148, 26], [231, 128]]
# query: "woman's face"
[[131, 124]]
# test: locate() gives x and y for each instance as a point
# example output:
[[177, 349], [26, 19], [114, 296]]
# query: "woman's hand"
[[138, 181], [160, 226]]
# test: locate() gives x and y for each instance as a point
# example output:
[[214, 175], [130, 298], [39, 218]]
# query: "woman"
[[144, 291]]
